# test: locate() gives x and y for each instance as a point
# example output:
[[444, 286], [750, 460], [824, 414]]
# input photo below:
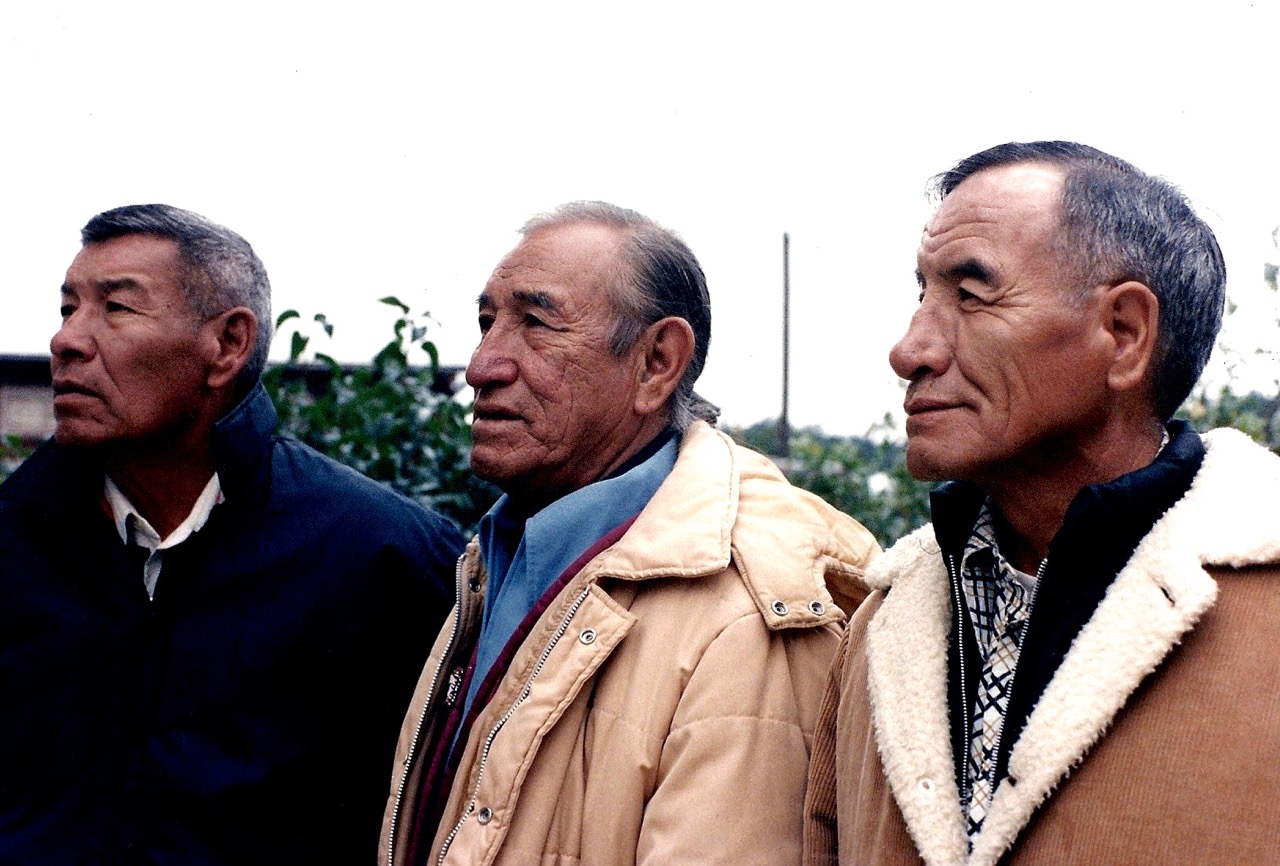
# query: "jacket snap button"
[[485, 815], [780, 608], [588, 636], [474, 584], [817, 608]]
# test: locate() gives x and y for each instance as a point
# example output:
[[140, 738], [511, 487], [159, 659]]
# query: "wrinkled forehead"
[[1018, 205], [136, 260], [565, 265]]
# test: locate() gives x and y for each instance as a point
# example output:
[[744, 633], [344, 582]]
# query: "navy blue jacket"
[[248, 714]]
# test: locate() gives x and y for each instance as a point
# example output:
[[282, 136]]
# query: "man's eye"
[[533, 321], [67, 310], [486, 322], [117, 307]]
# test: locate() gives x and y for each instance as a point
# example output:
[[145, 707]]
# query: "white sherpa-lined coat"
[[1114, 765]]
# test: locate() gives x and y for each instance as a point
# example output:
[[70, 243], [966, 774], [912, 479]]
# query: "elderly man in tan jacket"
[[1075, 663], [644, 624]]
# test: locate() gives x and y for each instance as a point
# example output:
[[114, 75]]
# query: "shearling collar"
[[1156, 598]]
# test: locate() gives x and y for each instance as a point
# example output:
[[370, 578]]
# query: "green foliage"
[[385, 420], [863, 476], [1254, 414], [12, 452]]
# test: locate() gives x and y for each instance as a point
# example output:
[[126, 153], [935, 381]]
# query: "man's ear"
[[666, 349], [1133, 319], [231, 338]]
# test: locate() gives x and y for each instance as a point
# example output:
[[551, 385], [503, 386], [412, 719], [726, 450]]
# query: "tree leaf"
[[297, 346], [393, 301]]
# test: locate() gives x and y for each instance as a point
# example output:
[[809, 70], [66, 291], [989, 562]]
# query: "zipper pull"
[[455, 682]]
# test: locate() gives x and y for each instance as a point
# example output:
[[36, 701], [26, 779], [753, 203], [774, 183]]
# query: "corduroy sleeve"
[[821, 834]]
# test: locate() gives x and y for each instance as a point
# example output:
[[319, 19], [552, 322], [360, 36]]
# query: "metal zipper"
[[426, 707], [493, 733], [1031, 605], [966, 707], [455, 685]]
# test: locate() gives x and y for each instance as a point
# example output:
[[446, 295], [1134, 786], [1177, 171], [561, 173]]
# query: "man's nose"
[[74, 338], [924, 347], [492, 363]]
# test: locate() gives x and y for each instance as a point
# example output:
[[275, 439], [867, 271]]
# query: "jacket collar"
[[1104, 521], [242, 446], [1156, 598], [724, 504]]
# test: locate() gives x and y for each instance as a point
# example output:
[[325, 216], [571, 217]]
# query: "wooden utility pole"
[[784, 423]]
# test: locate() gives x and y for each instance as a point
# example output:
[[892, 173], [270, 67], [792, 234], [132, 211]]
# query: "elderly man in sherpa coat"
[[1075, 663]]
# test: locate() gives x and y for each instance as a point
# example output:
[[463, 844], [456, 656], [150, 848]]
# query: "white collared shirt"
[[134, 528]]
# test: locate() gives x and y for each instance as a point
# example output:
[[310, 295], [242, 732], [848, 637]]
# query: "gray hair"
[[222, 270], [657, 276], [1121, 224]]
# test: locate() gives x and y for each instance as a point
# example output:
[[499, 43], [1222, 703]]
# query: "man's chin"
[[77, 432], [72, 436], [925, 465], [492, 465]]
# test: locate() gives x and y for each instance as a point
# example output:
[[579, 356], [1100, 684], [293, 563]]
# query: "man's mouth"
[[493, 413], [64, 388], [915, 405]]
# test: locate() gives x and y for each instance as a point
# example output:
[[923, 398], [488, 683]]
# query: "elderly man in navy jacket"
[[208, 634]]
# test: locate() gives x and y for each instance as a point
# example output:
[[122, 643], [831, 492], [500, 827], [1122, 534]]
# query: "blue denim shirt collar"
[[524, 557]]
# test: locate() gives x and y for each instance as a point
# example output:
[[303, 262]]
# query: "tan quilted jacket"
[[661, 710]]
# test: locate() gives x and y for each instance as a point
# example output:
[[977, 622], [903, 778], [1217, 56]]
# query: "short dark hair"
[[222, 270], [1118, 224], [659, 277]]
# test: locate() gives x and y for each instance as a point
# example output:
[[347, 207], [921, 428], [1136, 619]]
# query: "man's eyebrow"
[[107, 286], [534, 298], [969, 269], [527, 297]]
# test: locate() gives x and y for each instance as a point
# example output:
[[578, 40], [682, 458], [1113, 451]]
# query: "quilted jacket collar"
[[796, 541]]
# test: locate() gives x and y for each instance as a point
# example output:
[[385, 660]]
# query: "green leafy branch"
[[394, 421]]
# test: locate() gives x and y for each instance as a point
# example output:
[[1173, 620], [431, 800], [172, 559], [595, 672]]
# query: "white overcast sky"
[[378, 148]]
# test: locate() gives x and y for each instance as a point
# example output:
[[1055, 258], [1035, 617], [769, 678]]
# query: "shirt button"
[[485, 815], [926, 785]]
